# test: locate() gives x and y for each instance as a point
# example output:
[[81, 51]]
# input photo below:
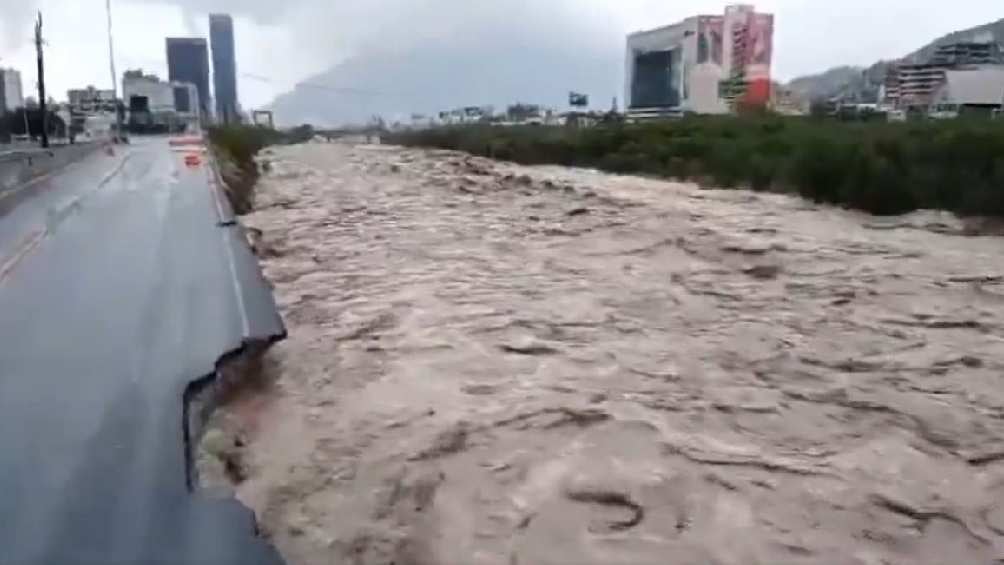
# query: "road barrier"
[[18, 167]]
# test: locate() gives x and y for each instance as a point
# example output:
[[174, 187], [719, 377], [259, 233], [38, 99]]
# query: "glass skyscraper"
[[188, 61], [221, 35]]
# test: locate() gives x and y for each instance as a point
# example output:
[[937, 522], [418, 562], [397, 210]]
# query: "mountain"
[[826, 84], [436, 76], [861, 83], [988, 32]]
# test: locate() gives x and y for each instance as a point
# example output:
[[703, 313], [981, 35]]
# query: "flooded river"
[[500, 365]]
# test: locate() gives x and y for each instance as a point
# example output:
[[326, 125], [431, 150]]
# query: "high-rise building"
[[188, 61], [704, 64], [221, 36], [912, 85], [11, 94]]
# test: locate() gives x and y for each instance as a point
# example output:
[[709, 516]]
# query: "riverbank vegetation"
[[881, 168], [235, 148]]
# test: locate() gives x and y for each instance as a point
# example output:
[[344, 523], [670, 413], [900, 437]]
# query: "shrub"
[[235, 148], [874, 166]]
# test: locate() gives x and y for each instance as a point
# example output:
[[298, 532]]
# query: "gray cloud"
[[342, 28], [536, 42]]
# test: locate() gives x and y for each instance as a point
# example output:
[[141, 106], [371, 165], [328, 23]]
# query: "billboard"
[[710, 39], [759, 52]]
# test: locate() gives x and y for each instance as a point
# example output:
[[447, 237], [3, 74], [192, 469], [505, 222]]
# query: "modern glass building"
[[188, 61], [221, 36]]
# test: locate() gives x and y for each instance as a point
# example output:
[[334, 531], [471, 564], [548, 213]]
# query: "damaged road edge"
[[203, 396], [261, 327]]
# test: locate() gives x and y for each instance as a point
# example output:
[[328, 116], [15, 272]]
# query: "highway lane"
[[134, 292], [45, 199]]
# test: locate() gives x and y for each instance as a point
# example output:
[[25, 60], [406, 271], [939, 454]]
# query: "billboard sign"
[[578, 100], [760, 50], [710, 39]]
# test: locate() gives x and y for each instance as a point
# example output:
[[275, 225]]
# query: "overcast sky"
[[280, 42]]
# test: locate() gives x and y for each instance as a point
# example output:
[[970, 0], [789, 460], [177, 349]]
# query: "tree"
[[13, 122]]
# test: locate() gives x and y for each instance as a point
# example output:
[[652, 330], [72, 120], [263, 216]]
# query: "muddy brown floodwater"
[[495, 364]]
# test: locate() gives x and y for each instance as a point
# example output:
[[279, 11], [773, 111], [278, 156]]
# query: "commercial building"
[[90, 99], [975, 91], [156, 105], [705, 64], [143, 92], [148, 100], [913, 86], [186, 104], [221, 36], [188, 61], [969, 53], [11, 93]]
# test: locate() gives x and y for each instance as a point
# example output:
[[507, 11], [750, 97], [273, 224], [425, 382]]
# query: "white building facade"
[[11, 91], [148, 91], [91, 99]]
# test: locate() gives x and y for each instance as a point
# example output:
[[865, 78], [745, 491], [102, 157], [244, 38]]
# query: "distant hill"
[[861, 83], [828, 83], [993, 32], [435, 76]]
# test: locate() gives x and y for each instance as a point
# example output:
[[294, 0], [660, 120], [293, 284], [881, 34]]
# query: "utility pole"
[[115, 82], [41, 82]]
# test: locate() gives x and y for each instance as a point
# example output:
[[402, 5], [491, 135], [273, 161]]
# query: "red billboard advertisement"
[[760, 51]]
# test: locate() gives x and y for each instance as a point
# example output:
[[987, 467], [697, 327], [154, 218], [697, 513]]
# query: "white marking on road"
[[35, 238], [27, 185], [245, 323], [28, 245]]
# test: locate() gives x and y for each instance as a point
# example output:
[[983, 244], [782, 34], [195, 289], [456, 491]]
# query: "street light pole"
[[41, 83], [111, 63]]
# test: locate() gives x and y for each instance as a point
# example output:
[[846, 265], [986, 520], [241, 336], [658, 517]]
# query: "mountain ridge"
[[861, 84]]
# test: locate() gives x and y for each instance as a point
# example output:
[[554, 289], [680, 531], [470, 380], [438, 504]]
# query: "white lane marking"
[[245, 323], [28, 185], [35, 238], [28, 245]]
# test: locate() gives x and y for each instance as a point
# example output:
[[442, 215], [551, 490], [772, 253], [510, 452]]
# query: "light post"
[[115, 84]]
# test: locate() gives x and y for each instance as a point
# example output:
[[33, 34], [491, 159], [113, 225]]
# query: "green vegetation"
[[878, 167], [235, 147]]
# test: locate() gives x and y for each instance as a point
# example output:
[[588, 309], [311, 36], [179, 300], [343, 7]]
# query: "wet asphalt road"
[[128, 290]]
